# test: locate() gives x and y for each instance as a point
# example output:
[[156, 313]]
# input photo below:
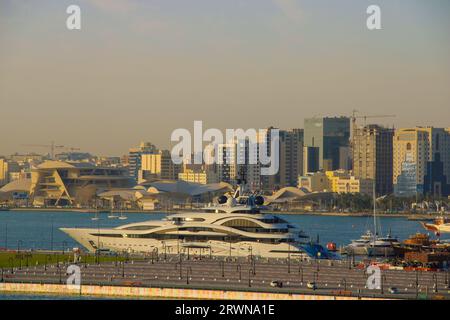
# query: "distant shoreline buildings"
[[330, 154]]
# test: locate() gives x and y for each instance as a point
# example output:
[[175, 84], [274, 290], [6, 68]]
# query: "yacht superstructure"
[[233, 227]]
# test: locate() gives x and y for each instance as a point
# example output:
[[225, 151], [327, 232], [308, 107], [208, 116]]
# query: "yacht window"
[[139, 228], [272, 220], [236, 223], [108, 235], [195, 219]]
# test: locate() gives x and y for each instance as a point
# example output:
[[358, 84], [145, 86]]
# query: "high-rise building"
[[4, 172], [227, 162], [414, 150], [291, 158], [267, 182], [310, 160], [237, 158], [135, 158], [158, 166], [373, 156], [435, 180], [329, 135]]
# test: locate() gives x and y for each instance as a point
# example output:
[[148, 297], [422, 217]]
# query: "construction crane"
[[354, 117], [52, 147]]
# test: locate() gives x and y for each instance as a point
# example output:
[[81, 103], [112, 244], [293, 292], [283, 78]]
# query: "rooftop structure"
[[62, 183]]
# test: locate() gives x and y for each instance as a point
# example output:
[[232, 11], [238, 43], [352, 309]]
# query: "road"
[[331, 277]]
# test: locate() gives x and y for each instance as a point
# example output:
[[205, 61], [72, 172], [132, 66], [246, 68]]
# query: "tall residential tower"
[[373, 156]]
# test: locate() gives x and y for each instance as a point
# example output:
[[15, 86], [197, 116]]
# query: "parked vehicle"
[[276, 284]]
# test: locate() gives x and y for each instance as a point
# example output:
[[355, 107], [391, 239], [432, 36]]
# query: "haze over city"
[[137, 70]]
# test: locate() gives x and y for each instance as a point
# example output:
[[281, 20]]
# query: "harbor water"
[[40, 230]]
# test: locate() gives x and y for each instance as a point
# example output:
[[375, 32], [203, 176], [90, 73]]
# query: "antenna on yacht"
[[241, 183]]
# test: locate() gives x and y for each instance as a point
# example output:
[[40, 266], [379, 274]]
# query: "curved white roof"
[[186, 188], [21, 185], [52, 164]]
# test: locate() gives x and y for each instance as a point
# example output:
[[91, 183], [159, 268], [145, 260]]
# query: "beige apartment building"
[[314, 182], [4, 172], [372, 156], [413, 149], [202, 177], [338, 181], [158, 166]]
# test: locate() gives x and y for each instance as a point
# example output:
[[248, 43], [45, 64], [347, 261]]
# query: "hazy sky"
[[139, 69]]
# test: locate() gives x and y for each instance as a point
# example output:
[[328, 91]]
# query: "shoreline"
[[412, 216]]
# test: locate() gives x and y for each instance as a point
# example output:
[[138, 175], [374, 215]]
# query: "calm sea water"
[[40, 230]]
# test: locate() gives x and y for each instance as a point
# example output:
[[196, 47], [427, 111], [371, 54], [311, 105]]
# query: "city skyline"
[[138, 70]]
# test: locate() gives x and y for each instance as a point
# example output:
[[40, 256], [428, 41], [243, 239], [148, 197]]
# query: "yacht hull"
[[213, 248]]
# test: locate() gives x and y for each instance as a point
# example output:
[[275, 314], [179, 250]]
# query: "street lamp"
[[26, 257], [289, 258], [345, 283], [250, 271], [383, 281], [11, 263], [19, 244], [59, 269], [300, 271], [165, 251], [435, 282], [20, 257], [447, 280], [238, 268], [45, 261], [417, 283], [188, 272], [64, 244], [222, 266], [176, 267]]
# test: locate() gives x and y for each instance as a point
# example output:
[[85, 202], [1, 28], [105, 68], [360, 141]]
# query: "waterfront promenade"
[[250, 276]]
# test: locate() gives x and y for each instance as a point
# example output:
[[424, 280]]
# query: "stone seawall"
[[158, 293]]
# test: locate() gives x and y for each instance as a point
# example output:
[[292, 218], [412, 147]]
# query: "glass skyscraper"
[[329, 135]]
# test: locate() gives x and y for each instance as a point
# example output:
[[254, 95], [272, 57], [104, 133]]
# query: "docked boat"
[[416, 242], [359, 246], [235, 226], [371, 243], [438, 226]]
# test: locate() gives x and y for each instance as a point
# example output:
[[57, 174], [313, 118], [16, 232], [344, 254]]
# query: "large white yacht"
[[235, 226]]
